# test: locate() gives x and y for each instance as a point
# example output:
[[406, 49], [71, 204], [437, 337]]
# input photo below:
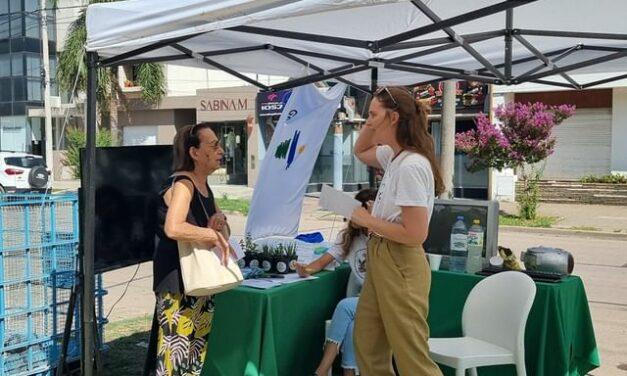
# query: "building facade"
[[21, 88], [196, 95]]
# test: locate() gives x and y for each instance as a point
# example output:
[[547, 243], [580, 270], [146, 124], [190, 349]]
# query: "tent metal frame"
[[487, 72], [499, 74]]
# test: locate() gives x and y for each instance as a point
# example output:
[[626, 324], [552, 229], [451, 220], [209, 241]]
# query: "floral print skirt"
[[184, 323]]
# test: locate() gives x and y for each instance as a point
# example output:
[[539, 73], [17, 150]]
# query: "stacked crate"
[[38, 268]]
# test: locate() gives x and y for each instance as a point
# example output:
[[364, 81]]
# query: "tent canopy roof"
[[404, 42]]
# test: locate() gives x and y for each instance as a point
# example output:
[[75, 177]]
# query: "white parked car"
[[21, 172]]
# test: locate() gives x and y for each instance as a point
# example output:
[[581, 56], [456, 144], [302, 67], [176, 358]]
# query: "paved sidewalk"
[[608, 218], [604, 218], [219, 190]]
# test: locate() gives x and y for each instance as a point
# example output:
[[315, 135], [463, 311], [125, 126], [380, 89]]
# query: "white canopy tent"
[[404, 42], [364, 43]]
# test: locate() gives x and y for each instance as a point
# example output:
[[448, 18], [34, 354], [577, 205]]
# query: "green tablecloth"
[[559, 338], [279, 331]]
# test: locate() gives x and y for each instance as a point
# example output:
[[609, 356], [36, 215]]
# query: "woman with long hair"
[[392, 311]]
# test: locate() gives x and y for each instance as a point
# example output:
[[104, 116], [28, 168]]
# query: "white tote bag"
[[202, 270]]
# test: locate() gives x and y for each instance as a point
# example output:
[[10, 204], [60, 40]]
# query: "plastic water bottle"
[[475, 247], [459, 246]]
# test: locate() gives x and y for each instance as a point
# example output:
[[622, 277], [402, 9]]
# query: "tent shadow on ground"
[[126, 355]]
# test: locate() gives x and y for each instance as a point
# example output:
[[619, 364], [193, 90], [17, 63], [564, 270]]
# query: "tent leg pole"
[[89, 211], [447, 158], [374, 77]]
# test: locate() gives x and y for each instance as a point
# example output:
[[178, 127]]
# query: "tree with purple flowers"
[[522, 140]]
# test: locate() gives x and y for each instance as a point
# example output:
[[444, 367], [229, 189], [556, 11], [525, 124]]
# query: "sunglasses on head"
[[192, 129], [383, 89]]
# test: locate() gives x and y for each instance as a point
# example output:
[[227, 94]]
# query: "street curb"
[[560, 231]]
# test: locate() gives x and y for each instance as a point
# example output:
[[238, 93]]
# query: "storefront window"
[[14, 132], [466, 184], [353, 171], [233, 138], [4, 7]]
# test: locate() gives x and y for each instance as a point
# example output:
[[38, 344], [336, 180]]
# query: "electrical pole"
[[46, 76]]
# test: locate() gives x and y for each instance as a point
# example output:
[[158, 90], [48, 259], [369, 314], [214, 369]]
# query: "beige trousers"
[[392, 312]]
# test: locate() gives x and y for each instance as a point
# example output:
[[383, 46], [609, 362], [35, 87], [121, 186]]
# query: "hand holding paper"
[[360, 216]]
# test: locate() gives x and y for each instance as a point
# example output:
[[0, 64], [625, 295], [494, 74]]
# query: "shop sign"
[[272, 103], [224, 104]]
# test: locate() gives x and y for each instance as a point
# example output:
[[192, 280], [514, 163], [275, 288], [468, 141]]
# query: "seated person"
[[350, 246]]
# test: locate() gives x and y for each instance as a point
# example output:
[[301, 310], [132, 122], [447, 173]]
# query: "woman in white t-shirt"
[[391, 316], [350, 246]]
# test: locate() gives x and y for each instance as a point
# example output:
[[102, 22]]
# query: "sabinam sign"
[[227, 104]]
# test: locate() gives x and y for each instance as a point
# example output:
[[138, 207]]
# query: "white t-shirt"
[[407, 181], [356, 257]]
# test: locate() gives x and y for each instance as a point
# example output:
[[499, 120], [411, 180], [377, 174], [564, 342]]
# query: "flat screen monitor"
[[445, 213], [127, 182]]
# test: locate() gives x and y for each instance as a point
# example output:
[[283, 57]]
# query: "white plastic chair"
[[493, 324]]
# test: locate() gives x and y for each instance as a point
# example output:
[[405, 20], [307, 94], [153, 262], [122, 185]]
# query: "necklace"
[[397, 154]]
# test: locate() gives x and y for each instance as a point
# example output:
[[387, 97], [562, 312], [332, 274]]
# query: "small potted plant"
[[292, 257], [251, 251], [266, 258], [256, 258], [282, 259]]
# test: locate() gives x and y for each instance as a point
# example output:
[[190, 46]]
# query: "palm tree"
[[72, 76]]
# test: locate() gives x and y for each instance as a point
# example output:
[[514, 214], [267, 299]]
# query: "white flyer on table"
[[268, 283], [337, 201]]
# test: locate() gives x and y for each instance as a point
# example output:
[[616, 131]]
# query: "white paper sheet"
[[293, 277], [237, 248], [337, 201], [260, 283], [267, 283]]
